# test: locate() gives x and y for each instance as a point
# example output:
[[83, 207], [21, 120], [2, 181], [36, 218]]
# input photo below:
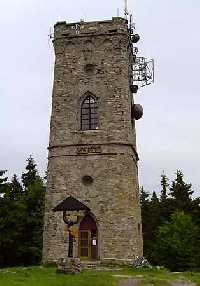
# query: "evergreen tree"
[[144, 202], [34, 210], [153, 222], [154, 199], [144, 197], [165, 201], [150, 216], [8, 229], [16, 188], [155, 211], [195, 211], [177, 243], [31, 173], [3, 183], [181, 193], [31, 249], [21, 218], [3, 180], [164, 190]]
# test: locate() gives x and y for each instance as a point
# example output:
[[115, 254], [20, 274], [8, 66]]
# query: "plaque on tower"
[[92, 149]]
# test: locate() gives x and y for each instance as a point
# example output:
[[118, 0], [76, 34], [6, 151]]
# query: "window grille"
[[89, 113]]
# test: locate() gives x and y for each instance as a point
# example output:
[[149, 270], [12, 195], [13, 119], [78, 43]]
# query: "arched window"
[[89, 113]]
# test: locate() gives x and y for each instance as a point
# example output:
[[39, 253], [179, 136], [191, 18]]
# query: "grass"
[[43, 276]]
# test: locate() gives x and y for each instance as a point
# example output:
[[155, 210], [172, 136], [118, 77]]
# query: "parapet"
[[116, 25]]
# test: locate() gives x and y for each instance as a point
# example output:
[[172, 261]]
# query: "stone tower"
[[92, 149]]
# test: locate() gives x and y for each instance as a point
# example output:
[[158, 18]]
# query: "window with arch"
[[89, 113]]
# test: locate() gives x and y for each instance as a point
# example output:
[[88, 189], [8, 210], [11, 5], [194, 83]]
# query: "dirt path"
[[129, 282], [134, 282], [182, 283]]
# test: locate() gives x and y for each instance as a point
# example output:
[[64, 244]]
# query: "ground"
[[47, 276]]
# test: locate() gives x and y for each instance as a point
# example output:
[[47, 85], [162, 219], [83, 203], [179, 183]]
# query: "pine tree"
[[164, 190], [154, 199], [146, 221], [8, 228], [144, 197], [3, 180], [21, 218], [31, 173], [34, 210], [165, 201], [16, 188], [155, 210], [3, 183], [181, 193]]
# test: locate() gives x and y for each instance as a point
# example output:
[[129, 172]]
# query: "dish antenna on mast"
[[126, 9]]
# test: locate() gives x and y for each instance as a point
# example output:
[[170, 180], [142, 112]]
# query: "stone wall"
[[94, 57]]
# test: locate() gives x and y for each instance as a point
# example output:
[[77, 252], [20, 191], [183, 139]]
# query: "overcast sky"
[[168, 135]]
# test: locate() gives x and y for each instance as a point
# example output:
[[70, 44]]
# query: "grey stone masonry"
[[93, 58]]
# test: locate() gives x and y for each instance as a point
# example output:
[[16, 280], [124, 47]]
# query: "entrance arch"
[[88, 238]]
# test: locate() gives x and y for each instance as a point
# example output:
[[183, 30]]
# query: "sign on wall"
[[89, 149]]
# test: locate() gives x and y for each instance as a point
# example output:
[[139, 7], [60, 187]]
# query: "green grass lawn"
[[47, 276]]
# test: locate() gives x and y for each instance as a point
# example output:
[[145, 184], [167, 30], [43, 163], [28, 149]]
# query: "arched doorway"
[[88, 239]]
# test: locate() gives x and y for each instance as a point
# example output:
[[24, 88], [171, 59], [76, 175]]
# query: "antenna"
[[126, 9], [50, 36], [142, 69]]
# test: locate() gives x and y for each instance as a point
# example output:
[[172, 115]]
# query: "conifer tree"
[[3, 183], [164, 190], [34, 211], [144, 196], [155, 208], [181, 193], [16, 188], [21, 218], [31, 173], [165, 201], [8, 230], [154, 199], [147, 221]]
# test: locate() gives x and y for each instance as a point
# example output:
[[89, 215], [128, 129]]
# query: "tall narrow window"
[[89, 113]]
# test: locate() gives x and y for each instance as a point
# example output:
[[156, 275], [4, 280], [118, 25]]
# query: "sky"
[[168, 135]]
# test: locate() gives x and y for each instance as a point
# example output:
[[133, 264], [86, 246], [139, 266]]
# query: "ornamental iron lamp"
[[72, 209]]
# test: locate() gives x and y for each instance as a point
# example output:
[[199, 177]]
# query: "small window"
[[87, 180], [89, 113]]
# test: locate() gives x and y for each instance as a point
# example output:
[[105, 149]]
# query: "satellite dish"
[[134, 88], [137, 111], [135, 38]]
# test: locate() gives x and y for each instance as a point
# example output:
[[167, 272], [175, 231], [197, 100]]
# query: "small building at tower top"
[[92, 163]]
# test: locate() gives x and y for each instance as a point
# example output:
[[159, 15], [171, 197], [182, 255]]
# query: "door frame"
[[90, 239]]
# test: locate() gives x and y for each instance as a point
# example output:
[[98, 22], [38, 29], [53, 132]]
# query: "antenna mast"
[[126, 9]]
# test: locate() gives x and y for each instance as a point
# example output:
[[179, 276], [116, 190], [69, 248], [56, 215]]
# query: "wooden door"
[[85, 244], [88, 241]]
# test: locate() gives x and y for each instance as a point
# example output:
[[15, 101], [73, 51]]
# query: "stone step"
[[90, 264]]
